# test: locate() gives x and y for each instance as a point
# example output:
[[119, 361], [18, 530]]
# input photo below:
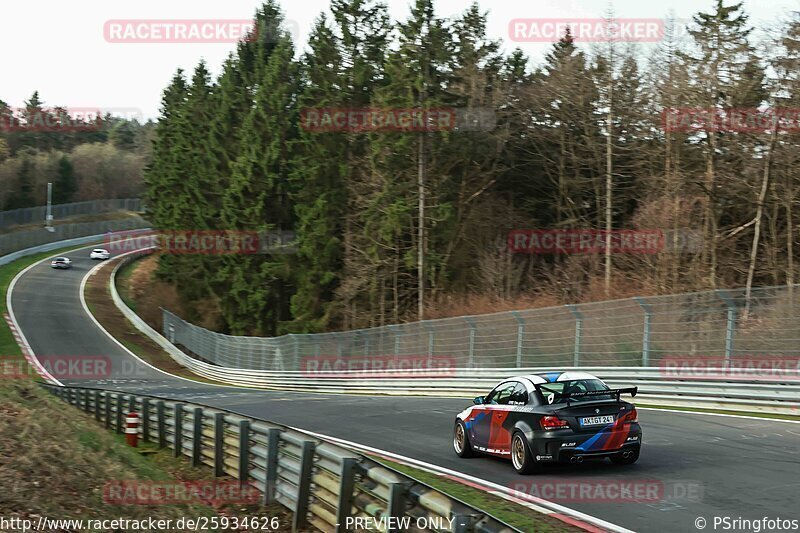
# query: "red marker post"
[[132, 429]]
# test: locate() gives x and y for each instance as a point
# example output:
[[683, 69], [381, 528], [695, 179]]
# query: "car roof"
[[60, 258], [556, 376]]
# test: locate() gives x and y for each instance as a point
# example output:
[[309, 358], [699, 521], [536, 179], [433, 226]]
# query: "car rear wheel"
[[521, 456], [461, 442], [626, 458]]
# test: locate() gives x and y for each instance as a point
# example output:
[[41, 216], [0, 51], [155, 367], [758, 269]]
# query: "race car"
[[99, 253], [61, 262], [550, 417]]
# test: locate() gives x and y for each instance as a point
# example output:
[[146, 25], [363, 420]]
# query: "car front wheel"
[[461, 442], [521, 457]]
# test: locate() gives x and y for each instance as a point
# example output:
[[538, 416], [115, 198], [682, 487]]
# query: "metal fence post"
[[396, 506], [97, 405], [132, 403], [520, 335], [471, 353], [300, 519], [197, 435], [271, 466], [120, 408], [730, 324], [244, 451], [219, 444], [347, 481], [85, 395], [648, 313], [578, 333], [396, 331], [107, 406], [429, 329], [146, 419], [162, 424], [178, 434]]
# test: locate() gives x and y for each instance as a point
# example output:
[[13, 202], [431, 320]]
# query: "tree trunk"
[[762, 195]]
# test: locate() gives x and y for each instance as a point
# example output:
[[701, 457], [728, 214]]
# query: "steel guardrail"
[[320, 482]]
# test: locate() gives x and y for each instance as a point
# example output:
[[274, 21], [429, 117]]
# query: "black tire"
[[521, 457], [461, 444], [620, 460]]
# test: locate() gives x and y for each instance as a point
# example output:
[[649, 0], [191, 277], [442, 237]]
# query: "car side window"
[[520, 395], [501, 395]]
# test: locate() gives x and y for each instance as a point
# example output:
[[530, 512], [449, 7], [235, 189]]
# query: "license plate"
[[597, 420]]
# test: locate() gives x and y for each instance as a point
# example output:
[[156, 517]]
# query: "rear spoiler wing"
[[588, 394]]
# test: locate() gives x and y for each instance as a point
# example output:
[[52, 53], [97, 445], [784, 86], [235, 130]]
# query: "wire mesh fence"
[[20, 240], [642, 331], [33, 215]]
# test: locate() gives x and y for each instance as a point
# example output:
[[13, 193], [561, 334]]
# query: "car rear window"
[[559, 390]]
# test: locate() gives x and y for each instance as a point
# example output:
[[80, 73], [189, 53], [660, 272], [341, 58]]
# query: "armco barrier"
[[322, 483], [721, 391]]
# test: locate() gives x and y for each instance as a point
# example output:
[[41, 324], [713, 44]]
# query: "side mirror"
[[478, 400]]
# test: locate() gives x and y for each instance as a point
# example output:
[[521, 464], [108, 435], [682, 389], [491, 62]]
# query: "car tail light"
[[552, 422], [631, 416]]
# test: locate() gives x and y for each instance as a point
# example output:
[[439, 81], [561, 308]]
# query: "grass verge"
[[55, 460], [509, 512], [100, 304]]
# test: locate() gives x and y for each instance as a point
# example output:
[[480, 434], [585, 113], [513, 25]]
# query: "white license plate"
[[597, 420]]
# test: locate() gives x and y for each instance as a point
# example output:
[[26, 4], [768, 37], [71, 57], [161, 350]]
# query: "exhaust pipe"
[[627, 454], [579, 459], [573, 459]]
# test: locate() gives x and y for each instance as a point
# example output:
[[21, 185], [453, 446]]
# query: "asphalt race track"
[[734, 467]]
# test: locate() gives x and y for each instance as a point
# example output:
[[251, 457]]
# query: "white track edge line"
[[110, 336]]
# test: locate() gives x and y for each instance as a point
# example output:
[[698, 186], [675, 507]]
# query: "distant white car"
[[61, 262], [99, 253]]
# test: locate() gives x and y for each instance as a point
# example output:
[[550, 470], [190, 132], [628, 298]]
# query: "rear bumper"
[[563, 446]]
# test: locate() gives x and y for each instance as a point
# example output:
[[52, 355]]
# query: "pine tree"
[[258, 198], [22, 196], [66, 184], [718, 67], [319, 179]]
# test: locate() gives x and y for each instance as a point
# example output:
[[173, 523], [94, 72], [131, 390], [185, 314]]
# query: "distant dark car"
[[551, 417], [61, 262]]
